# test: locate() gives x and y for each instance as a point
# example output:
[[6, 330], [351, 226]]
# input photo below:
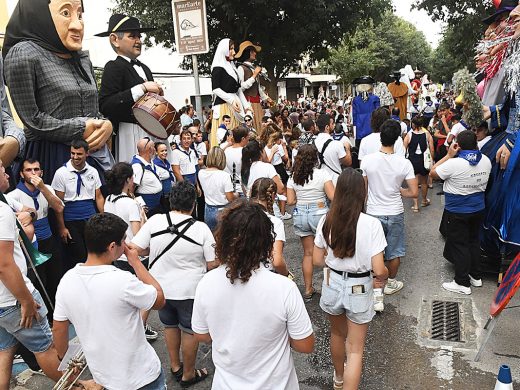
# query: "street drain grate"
[[445, 321]]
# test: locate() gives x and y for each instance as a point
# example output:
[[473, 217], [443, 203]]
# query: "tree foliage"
[[379, 48], [287, 30]]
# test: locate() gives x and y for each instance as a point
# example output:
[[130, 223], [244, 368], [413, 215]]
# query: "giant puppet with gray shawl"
[[52, 84], [229, 98]]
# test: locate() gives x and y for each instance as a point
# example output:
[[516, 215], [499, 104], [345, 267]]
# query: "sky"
[[420, 19]]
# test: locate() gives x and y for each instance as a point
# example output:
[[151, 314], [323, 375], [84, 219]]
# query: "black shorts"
[[280, 169], [177, 314]]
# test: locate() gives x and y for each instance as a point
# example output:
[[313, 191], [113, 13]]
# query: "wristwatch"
[[33, 215]]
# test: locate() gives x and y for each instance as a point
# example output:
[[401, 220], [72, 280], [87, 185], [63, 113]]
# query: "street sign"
[[191, 27]]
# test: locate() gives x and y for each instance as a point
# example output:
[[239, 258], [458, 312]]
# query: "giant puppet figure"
[[401, 90], [52, 83]]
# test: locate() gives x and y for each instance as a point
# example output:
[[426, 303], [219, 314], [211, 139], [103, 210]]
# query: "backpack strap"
[[322, 157], [120, 197]]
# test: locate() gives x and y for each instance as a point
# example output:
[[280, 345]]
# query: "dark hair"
[[323, 121], [265, 118], [341, 221], [396, 111], [379, 116], [246, 54], [264, 189], [184, 132], [29, 161], [225, 116], [456, 117], [159, 143], [390, 131], [117, 177], [79, 143], [239, 133], [103, 229], [417, 121], [250, 153], [467, 140], [304, 163], [244, 239], [308, 125], [196, 122], [428, 98], [182, 196]]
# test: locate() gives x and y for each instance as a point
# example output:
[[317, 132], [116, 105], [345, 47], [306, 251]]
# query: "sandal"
[[200, 375], [426, 203], [338, 385], [308, 296], [177, 374], [415, 209]]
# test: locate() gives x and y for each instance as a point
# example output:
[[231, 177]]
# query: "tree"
[[379, 48], [287, 30]]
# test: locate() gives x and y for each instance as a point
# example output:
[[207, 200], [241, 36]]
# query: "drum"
[[156, 115]]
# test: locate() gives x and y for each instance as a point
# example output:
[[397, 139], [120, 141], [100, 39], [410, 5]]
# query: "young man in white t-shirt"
[[372, 142], [22, 311], [384, 174], [234, 157]]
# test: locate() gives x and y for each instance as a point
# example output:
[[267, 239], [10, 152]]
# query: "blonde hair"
[[264, 190], [273, 138], [216, 158]]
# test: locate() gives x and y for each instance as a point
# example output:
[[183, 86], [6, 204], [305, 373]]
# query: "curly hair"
[[244, 239], [270, 129], [264, 190], [304, 163]]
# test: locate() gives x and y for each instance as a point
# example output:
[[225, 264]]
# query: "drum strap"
[[120, 197], [145, 167]]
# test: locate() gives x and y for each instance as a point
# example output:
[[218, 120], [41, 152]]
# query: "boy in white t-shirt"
[[384, 173], [104, 304]]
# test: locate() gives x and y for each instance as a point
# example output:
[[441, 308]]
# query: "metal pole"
[[198, 99]]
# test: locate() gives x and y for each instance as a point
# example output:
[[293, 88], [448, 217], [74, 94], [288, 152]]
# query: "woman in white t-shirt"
[[310, 188], [252, 316], [351, 244], [254, 168], [263, 192], [216, 185]]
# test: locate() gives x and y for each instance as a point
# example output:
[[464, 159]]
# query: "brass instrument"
[[263, 73], [76, 365]]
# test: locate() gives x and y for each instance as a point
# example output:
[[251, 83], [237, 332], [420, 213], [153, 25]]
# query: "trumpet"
[[77, 363], [262, 74]]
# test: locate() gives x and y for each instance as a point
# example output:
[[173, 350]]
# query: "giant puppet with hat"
[[248, 74], [125, 80], [363, 105]]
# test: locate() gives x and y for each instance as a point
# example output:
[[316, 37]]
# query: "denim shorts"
[[306, 218], [211, 215], [177, 314], [158, 384], [36, 339], [393, 226], [337, 298]]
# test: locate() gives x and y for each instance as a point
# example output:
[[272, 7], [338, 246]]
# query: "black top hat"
[[395, 74], [123, 23], [364, 80], [505, 6]]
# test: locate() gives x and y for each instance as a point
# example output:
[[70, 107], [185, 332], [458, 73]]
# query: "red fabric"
[[253, 99]]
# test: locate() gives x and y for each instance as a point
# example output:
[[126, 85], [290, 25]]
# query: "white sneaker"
[[475, 282], [393, 286], [379, 305], [286, 216], [456, 288]]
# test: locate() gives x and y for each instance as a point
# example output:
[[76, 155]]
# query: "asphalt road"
[[399, 353]]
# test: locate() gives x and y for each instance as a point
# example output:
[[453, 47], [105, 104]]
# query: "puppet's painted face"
[[67, 16]]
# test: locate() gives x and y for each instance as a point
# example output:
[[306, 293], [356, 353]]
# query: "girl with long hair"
[[254, 168], [264, 193], [417, 142], [309, 188], [351, 244]]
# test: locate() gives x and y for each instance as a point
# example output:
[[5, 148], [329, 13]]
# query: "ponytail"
[[250, 153]]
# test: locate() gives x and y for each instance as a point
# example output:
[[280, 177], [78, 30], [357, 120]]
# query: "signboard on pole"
[[191, 27]]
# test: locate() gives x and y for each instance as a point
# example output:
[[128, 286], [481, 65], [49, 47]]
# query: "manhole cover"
[[445, 321]]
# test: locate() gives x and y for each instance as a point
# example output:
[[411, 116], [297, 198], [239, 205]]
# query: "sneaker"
[[379, 305], [150, 333], [393, 286], [456, 288], [286, 216], [18, 359], [475, 282]]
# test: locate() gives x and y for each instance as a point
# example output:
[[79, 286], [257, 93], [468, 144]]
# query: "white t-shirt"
[[278, 227], [186, 160], [215, 184], [163, 174], [386, 173], [250, 325], [372, 143], [260, 169], [147, 181], [104, 304], [65, 180], [234, 156], [180, 269], [483, 141], [20, 196], [201, 148], [127, 209], [9, 232], [370, 240], [221, 132], [314, 190], [333, 154], [277, 158], [461, 178], [455, 131]]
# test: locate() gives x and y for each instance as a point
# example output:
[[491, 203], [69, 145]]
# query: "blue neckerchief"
[[34, 195], [429, 104], [466, 126], [471, 156], [79, 182], [395, 118], [148, 167], [165, 165]]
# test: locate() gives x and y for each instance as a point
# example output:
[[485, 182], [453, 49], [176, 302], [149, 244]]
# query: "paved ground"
[[399, 354]]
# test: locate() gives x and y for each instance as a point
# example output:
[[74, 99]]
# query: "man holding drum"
[[125, 80]]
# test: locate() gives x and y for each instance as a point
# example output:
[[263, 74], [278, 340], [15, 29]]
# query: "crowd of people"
[[193, 226]]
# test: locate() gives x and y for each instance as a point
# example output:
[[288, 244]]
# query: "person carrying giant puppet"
[[248, 74], [363, 106], [229, 98], [52, 83], [125, 80]]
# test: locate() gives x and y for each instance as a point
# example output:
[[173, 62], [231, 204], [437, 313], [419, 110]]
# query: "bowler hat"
[[123, 23], [503, 6]]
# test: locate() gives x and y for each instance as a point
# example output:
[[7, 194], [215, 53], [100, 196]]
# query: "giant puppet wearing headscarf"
[[229, 97], [52, 83]]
